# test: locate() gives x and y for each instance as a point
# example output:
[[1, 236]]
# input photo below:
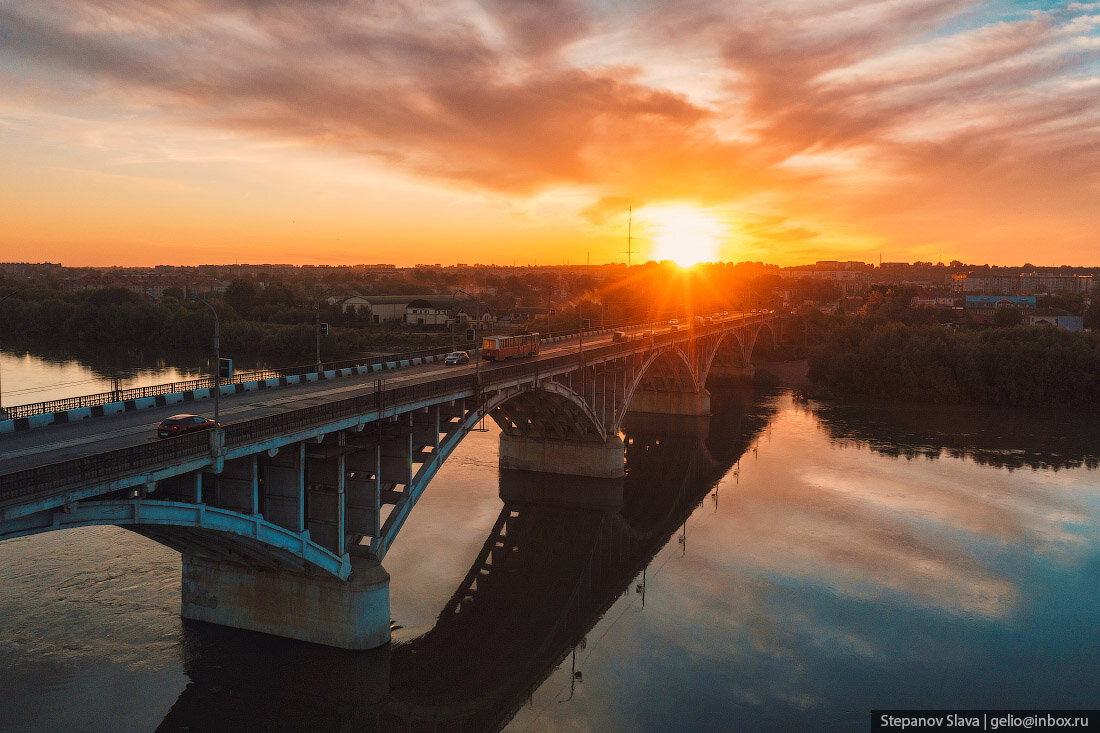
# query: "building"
[[467, 314], [983, 307], [831, 270], [352, 303], [413, 310], [1031, 282], [1057, 318]]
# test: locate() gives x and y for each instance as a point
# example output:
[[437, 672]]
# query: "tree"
[[241, 295], [1092, 311], [1004, 317]]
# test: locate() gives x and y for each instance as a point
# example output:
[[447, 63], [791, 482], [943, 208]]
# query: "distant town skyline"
[[512, 131]]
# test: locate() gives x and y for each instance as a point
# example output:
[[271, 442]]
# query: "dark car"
[[180, 424], [457, 357]]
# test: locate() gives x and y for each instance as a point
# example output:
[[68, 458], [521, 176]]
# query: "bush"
[[1024, 365]]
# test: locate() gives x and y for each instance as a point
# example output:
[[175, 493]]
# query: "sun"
[[684, 234]]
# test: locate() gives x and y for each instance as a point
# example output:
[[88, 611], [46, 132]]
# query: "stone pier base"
[[575, 458], [650, 423], [671, 403], [351, 614], [721, 375]]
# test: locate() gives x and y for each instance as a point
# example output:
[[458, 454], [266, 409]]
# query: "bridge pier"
[[727, 375], [671, 403], [568, 457], [351, 614]]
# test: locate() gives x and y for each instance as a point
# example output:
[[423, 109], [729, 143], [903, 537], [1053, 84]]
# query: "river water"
[[791, 567]]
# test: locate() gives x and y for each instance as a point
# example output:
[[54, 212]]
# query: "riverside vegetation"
[[278, 332], [892, 352]]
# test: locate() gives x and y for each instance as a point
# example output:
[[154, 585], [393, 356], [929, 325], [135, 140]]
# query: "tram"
[[499, 348]]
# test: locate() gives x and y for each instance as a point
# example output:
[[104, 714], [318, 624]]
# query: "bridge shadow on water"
[[552, 565]]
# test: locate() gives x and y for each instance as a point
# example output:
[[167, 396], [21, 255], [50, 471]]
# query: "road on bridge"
[[61, 442]]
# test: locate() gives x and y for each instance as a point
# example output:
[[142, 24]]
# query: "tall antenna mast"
[[629, 238]]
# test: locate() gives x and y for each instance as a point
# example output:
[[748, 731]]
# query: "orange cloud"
[[904, 122]]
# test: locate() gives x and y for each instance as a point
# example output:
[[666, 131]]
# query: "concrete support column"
[[363, 492], [351, 614], [569, 457], [284, 481], [671, 403], [236, 485], [725, 375]]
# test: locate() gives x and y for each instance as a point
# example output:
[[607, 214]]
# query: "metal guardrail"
[[102, 465], [153, 390], [55, 476]]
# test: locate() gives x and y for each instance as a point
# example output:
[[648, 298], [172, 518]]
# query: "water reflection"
[[990, 436], [812, 580], [41, 374], [546, 573]]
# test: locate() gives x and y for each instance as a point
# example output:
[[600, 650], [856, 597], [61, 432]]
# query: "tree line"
[[119, 318], [893, 353]]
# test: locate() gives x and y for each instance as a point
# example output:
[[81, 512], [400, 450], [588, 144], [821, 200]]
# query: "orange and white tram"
[[499, 348]]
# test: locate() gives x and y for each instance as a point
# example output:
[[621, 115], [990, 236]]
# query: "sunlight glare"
[[684, 234]]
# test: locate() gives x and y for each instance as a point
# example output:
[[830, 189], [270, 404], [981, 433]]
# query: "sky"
[[547, 131]]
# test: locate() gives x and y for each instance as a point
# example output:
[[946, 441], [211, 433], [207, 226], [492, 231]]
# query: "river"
[[793, 567]]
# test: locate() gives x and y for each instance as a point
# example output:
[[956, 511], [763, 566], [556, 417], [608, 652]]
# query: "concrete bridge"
[[284, 516], [545, 575]]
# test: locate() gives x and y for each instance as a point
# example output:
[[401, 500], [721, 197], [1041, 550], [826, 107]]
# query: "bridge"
[[545, 575], [284, 515]]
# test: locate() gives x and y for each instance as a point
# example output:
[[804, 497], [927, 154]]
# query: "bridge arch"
[[547, 410], [219, 533], [666, 382], [734, 349]]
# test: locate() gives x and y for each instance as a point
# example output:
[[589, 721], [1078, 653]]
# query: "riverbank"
[[790, 374], [1032, 366]]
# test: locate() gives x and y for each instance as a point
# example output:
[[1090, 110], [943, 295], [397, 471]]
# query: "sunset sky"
[[478, 131]]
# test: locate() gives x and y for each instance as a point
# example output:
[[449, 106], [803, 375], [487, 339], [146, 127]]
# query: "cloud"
[[928, 97]]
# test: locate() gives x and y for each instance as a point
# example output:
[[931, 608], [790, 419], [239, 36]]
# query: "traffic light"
[[225, 368], [324, 329]]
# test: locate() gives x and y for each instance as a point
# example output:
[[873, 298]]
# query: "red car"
[[180, 424]]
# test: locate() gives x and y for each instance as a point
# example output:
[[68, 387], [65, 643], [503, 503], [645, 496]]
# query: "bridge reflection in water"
[[548, 571]]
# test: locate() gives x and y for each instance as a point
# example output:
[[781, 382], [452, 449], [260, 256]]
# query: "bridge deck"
[[57, 443]]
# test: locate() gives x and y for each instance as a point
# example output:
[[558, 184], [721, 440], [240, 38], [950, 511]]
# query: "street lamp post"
[[477, 329], [317, 325], [317, 331], [454, 316], [580, 329], [3, 414], [217, 364]]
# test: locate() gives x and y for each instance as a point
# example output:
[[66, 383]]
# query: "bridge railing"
[[53, 477], [256, 429], [101, 466], [154, 390]]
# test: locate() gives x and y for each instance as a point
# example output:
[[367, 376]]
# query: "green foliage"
[[1024, 365], [125, 320], [242, 295], [1004, 317], [1092, 311]]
